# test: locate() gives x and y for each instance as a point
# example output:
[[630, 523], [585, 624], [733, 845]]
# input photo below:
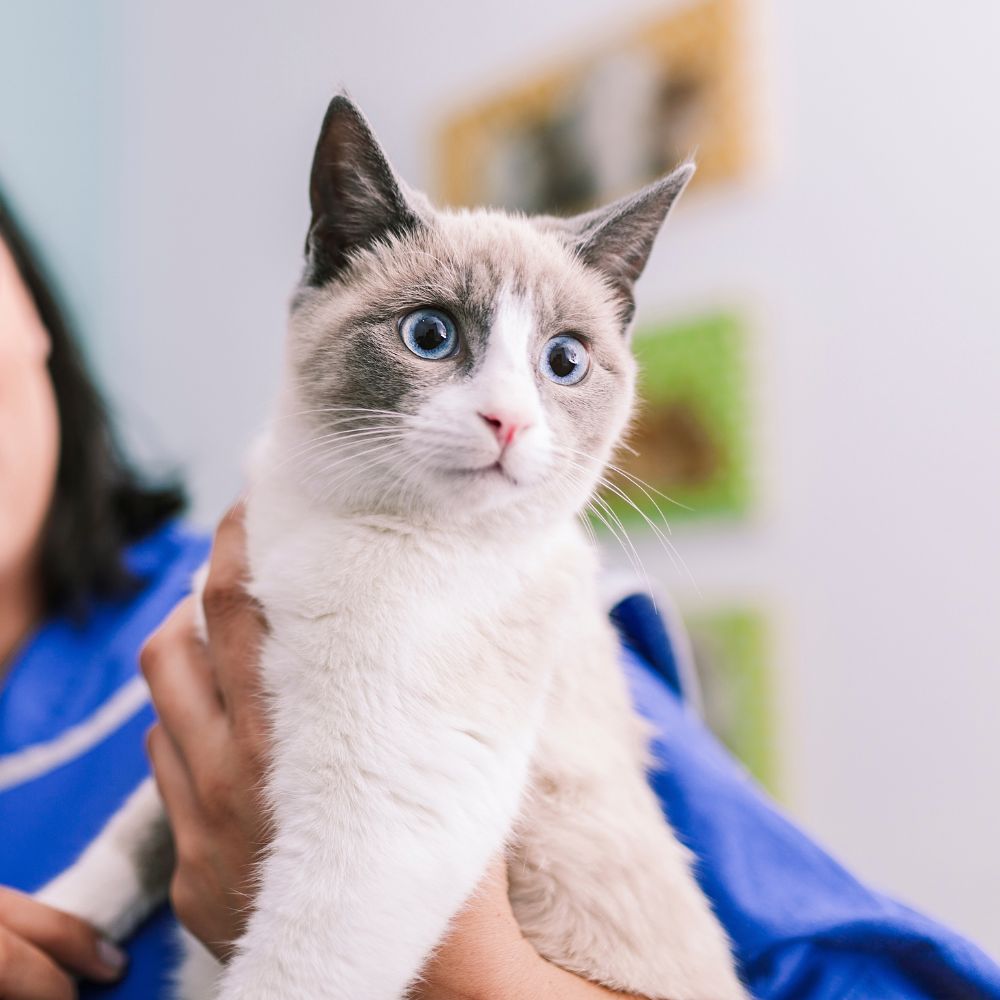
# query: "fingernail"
[[111, 957]]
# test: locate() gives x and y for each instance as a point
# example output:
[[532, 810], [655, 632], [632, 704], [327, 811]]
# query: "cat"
[[443, 683]]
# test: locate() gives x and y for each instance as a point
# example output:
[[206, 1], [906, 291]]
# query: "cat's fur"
[[443, 682]]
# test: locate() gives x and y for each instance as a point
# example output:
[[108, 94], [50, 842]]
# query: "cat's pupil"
[[563, 360], [429, 333]]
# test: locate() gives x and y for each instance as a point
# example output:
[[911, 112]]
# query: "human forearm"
[[485, 957], [525, 977]]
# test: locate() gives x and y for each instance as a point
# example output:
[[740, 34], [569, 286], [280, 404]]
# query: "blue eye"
[[565, 360], [429, 333]]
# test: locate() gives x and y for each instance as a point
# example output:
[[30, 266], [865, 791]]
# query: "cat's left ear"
[[355, 195], [617, 239]]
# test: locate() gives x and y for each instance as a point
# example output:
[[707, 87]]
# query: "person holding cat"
[[91, 562]]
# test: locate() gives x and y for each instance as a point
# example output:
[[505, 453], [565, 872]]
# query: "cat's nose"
[[504, 427]]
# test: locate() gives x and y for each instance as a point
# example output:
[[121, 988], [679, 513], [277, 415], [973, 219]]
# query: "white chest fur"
[[408, 674]]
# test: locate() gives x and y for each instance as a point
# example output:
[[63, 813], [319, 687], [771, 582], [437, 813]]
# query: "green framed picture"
[[732, 654], [688, 450]]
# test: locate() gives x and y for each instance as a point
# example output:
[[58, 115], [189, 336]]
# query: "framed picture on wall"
[[594, 125], [687, 455], [732, 653]]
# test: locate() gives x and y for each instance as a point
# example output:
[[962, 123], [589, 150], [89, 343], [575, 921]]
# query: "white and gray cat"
[[443, 682]]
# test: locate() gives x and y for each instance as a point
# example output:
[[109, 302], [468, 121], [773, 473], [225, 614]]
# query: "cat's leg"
[[123, 874], [599, 882], [377, 845], [603, 888]]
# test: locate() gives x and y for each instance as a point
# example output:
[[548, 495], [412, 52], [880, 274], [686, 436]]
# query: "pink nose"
[[505, 428]]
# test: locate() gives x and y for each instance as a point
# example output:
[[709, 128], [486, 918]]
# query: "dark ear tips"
[[353, 192], [618, 239], [679, 178], [685, 171]]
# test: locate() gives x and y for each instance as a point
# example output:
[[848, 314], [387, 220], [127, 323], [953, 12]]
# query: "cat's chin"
[[465, 494], [484, 473]]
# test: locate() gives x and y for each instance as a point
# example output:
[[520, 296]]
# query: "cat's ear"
[[617, 239], [355, 195]]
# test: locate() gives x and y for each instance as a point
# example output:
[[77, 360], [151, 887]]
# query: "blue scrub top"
[[73, 716]]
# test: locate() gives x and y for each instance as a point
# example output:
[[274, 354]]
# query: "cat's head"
[[450, 364]]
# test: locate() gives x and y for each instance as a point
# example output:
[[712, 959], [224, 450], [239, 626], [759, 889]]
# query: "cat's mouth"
[[482, 471]]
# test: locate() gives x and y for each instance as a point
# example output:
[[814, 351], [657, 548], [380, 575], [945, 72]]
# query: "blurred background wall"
[[160, 152]]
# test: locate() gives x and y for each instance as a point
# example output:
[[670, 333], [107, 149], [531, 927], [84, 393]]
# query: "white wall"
[[866, 253], [59, 139]]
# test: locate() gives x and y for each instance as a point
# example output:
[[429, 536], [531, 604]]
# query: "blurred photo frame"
[[733, 656], [595, 126], [687, 455]]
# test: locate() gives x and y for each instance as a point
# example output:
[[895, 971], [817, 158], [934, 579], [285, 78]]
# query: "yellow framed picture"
[[595, 126]]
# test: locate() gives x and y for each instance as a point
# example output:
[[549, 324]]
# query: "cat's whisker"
[[572, 484], [315, 440], [351, 434], [668, 546], [334, 419], [597, 513], [579, 483], [641, 483], [635, 482], [386, 442], [336, 437], [306, 451], [671, 550], [349, 475], [363, 432], [638, 559], [412, 464], [644, 486], [649, 496], [382, 446], [616, 521], [317, 445], [341, 409]]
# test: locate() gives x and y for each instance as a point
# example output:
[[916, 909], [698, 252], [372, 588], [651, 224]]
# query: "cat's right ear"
[[356, 197]]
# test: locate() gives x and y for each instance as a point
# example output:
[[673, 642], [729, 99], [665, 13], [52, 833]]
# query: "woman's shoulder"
[[69, 669]]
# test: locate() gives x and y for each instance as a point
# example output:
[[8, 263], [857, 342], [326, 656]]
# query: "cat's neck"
[[312, 560], [495, 530], [289, 505]]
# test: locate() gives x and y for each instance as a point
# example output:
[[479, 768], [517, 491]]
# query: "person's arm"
[[42, 949], [209, 774], [485, 956]]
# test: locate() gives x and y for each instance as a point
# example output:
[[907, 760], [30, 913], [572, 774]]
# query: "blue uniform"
[[73, 715]]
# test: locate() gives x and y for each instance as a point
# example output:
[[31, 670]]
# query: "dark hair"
[[100, 504]]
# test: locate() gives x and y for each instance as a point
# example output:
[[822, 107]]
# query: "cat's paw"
[[72, 892], [113, 906]]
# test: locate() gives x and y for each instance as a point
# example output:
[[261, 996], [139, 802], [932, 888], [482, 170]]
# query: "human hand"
[[209, 748], [42, 948], [486, 957]]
